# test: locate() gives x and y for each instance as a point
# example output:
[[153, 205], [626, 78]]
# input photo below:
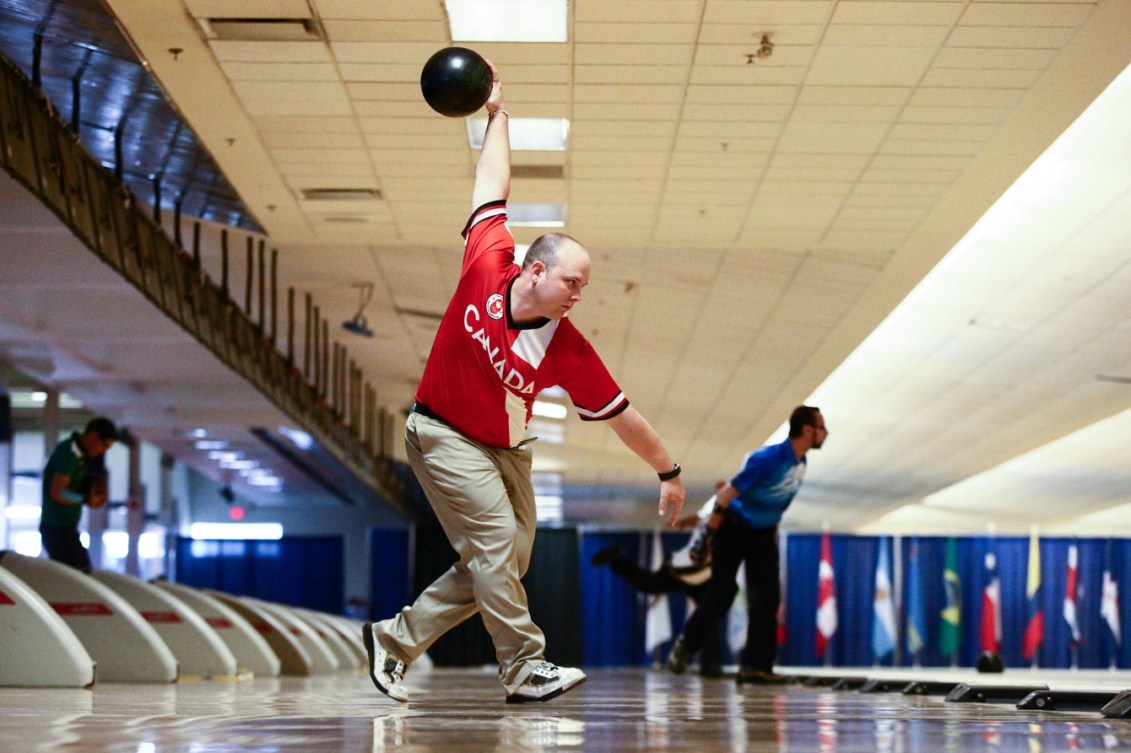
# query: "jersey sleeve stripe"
[[490, 209], [610, 409]]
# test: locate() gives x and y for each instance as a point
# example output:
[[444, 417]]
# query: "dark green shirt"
[[66, 458]]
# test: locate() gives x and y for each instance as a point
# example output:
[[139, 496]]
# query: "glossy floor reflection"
[[463, 710]]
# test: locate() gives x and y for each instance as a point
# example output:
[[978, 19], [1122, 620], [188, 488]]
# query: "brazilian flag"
[[950, 630]]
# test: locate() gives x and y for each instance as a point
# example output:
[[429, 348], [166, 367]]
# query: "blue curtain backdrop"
[[612, 613], [302, 571], [613, 605], [854, 570], [854, 561], [389, 582], [1012, 554], [551, 590]]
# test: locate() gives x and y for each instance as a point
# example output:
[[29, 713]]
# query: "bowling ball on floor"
[[456, 82], [990, 661]]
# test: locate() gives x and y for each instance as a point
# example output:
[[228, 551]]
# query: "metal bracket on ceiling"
[[37, 44]]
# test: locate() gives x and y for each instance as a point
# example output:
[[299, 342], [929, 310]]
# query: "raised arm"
[[493, 169], [639, 436], [59, 490]]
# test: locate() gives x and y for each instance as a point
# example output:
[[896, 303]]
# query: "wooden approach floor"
[[461, 710]]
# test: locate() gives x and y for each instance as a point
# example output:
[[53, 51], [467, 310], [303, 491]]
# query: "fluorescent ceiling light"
[[243, 531], [238, 465], [547, 496], [546, 483], [35, 398], [116, 543], [549, 507], [27, 543], [210, 444], [550, 410], [526, 134], [225, 456], [300, 439], [262, 29], [508, 20], [536, 215], [151, 545]]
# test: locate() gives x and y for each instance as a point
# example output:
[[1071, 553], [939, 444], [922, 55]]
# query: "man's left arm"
[[639, 436], [493, 168]]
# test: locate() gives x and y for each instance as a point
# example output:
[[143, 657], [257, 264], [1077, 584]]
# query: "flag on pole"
[[826, 597], [916, 618], [1035, 629], [658, 620], [950, 635], [1070, 598], [1109, 604], [991, 606], [737, 618], [883, 608]]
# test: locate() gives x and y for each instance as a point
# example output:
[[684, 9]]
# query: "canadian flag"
[[658, 618], [826, 597]]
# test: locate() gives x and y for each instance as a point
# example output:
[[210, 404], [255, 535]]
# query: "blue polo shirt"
[[767, 483]]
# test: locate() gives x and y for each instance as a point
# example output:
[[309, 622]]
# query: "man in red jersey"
[[503, 339]]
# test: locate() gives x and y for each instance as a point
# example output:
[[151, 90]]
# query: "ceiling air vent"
[[347, 219], [263, 29], [341, 194], [538, 171], [419, 313]]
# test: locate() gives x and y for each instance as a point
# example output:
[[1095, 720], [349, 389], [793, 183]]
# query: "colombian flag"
[[1035, 629]]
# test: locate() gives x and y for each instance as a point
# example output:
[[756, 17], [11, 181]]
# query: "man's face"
[[559, 287], [819, 431], [94, 445]]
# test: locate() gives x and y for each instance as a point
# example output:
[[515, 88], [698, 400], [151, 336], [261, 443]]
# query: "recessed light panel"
[[508, 20], [527, 134]]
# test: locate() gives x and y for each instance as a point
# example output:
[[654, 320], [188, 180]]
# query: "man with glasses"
[[743, 528]]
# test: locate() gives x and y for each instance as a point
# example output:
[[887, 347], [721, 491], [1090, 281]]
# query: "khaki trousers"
[[485, 503]]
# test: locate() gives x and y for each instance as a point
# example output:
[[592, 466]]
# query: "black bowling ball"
[[456, 82], [990, 662]]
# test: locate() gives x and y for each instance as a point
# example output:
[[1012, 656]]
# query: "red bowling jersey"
[[485, 369]]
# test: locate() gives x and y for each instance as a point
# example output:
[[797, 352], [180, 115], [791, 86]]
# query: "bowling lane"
[[463, 709]]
